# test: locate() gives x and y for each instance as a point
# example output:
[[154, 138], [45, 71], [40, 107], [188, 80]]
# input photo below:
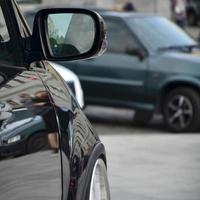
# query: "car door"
[[30, 165], [118, 76], [77, 137]]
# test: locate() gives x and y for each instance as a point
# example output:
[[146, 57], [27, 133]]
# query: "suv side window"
[[5, 47], [119, 37]]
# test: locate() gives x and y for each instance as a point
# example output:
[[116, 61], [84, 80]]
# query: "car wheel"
[[182, 110], [192, 19], [37, 142], [99, 187], [142, 117]]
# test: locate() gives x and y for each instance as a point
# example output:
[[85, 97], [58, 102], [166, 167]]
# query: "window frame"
[[14, 32], [123, 24], [4, 20], [23, 26]]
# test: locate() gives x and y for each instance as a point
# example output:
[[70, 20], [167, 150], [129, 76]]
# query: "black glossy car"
[[48, 148]]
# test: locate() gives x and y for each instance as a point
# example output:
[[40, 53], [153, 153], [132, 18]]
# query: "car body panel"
[[72, 80], [166, 67], [46, 142], [116, 75], [58, 108], [20, 94]]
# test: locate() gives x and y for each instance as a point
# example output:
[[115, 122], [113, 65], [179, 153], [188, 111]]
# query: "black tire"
[[37, 142], [181, 110], [192, 19], [142, 117]]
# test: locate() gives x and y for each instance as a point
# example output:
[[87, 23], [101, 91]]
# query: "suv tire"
[[37, 142], [142, 117], [182, 110]]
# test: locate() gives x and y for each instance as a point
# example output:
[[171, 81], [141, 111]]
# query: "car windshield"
[[159, 33]]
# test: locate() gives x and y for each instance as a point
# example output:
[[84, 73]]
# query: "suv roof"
[[124, 14]]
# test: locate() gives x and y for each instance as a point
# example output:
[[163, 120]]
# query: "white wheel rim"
[[99, 187]]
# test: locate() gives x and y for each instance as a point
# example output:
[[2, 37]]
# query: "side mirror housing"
[[63, 34], [136, 52]]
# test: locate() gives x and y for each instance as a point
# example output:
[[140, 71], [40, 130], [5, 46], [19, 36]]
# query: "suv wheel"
[[182, 110], [37, 142], [142, 117]]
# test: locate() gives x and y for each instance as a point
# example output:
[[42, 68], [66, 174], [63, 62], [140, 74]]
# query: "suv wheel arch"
[[173, 85]]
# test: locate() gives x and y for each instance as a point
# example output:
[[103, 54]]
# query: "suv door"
[[117, 76]]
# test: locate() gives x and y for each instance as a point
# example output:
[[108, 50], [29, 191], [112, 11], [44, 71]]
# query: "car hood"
[[177, 62], [185, 57]]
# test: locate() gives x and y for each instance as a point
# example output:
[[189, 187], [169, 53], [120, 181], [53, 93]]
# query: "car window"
[[30, 19], [161, 32], [6, 54], [119, 38], [4, 35], [25, 32]]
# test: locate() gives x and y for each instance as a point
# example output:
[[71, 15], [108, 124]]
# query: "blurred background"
[[160, 7], [145, 162], [153, 6]]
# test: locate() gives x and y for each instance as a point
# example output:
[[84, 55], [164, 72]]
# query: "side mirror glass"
[[69, 34]]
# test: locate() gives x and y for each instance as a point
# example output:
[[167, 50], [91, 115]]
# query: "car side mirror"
[[136, 52], [67, 34]]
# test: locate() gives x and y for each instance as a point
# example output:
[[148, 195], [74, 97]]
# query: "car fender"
[[97, 152], [173, 82]]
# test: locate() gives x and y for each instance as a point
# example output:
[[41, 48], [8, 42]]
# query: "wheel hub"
[[180, 111]]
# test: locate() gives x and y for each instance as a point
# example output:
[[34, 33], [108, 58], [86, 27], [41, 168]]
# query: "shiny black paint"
[[52, 146], [78, 139], [38, 104], [28, 168]]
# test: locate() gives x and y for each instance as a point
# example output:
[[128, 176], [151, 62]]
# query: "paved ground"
[[147, 163]]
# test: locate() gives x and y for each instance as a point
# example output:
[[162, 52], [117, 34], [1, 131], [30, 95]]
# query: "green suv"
[[150, 66]]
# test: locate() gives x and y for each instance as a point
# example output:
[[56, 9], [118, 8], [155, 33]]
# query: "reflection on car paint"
[[36, 110], [78, 138], [48, 149], [28, 141]]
